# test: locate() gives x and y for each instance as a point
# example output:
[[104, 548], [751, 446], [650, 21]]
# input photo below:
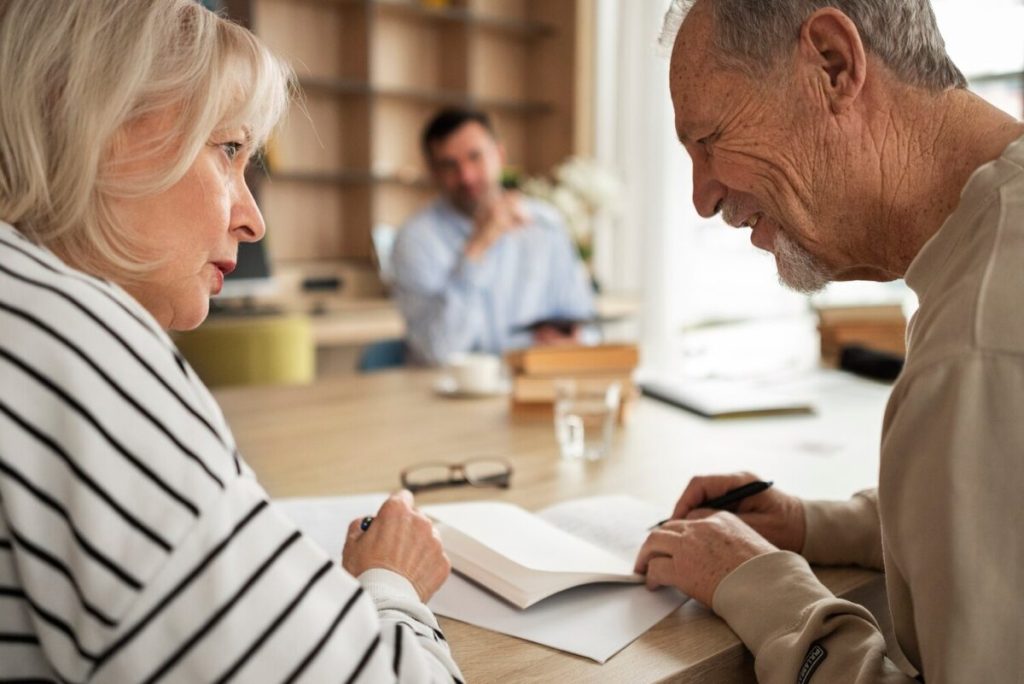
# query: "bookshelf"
[[372, 72]]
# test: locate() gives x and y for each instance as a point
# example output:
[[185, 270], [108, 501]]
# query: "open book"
[[525, 557], [595, 621]]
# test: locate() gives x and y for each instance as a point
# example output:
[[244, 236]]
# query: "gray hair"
[[77, 75], [902, 33]]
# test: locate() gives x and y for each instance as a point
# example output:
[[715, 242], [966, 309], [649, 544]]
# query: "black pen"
[[731, 497]]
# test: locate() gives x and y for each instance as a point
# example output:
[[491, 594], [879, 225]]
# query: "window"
[[984, 39]]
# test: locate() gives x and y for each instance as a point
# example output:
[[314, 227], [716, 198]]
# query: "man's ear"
[[831, 44]]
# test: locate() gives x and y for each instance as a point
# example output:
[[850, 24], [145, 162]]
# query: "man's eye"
[[706, 142]]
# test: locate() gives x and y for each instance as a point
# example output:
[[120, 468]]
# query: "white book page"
[[618, 523], [528, 540]]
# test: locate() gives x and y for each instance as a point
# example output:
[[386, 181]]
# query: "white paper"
[[594, 621], [325, 520]]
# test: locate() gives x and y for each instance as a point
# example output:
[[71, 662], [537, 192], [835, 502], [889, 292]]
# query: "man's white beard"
[[798, 269]]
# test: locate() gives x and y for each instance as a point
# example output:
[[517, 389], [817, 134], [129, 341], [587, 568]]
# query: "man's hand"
[[553, 336], [775, 515], [400, 539], [503, 214], [696, 555]]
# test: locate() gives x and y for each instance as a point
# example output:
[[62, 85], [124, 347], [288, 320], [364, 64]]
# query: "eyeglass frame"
[[504, 480]]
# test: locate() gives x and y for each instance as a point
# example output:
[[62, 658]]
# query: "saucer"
[[447, 387]]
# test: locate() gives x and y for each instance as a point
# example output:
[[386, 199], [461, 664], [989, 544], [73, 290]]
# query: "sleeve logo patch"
[[815, 656]]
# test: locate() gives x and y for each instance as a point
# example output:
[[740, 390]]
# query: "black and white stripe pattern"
[[134, 543]]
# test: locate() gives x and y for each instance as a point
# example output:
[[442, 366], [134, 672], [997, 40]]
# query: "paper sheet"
[[595, 621], [325, 520]]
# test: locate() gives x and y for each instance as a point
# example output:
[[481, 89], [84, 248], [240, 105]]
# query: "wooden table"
[[355, 434]]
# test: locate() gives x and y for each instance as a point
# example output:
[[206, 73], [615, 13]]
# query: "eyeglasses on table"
[[476, 472]]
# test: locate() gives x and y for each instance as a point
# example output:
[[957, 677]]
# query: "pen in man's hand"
[[730, 498]]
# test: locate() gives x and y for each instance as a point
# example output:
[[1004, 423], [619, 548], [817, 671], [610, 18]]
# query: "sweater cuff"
[[766, 596], [844, 532], [385, 586]]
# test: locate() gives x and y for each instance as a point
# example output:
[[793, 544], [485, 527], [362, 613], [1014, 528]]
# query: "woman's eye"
[[232, 149]]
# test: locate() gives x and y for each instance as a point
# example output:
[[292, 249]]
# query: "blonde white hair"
[[76, 74]]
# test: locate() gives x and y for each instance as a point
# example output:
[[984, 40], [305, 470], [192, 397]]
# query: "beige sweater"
[[948, 518]]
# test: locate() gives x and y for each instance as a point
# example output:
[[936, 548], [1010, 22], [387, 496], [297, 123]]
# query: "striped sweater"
[[135, 544]]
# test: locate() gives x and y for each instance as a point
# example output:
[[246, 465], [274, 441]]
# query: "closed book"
[[545, 410], [544, 387], [526, 557], [561, 360], [725, 399], [861, 315]]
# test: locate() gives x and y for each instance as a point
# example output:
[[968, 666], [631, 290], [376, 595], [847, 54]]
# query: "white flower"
[[597, 188], [581, 189], [574, 211], [537, 187]]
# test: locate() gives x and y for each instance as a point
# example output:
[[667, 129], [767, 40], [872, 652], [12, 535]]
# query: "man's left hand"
[[696, 554]]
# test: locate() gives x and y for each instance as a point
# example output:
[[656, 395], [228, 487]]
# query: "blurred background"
[[579, 92]]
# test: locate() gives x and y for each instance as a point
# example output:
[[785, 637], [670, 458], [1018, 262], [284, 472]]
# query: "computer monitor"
[[251, 277]]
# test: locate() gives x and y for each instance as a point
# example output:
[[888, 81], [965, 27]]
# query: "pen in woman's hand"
[[730, 498]]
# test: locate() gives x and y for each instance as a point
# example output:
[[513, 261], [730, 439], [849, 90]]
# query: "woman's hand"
[[400, 539]]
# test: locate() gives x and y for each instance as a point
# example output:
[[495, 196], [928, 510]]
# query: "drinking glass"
[[585, 416]]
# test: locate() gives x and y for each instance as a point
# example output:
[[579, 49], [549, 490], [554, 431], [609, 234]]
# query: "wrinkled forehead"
[[692, 67]]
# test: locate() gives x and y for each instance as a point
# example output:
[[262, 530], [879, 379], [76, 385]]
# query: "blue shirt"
[[454, 304]]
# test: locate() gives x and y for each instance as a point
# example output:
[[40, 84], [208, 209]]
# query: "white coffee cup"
[[475, 373]]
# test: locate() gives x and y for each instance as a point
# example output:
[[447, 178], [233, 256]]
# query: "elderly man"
[[481, 264], [843, 136]]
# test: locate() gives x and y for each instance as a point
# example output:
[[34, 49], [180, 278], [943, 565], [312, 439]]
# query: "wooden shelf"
[[421, 95], [348, 177], [373, 72], [513, 106], [524, 28], [335, 86]]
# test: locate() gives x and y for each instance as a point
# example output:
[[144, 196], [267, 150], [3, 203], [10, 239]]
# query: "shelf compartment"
[[397, 126], [506, 17], [311, 221], [498, 68], [325, 40], [322, 133], [408, 53], [395, 204]]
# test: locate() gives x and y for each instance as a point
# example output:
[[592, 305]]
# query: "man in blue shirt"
[[481, 263]]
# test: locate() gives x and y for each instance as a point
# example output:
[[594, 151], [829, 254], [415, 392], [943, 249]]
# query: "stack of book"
[[881, 328], [536, 373]]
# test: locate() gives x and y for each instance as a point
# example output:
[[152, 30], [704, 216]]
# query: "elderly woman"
[[134, 543]]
